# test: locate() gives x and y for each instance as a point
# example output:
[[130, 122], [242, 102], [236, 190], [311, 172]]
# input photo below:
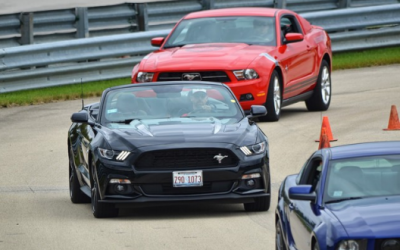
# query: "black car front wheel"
[[101, 210], [75, 192]]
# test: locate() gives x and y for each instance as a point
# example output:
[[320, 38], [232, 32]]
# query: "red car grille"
[[191, 158], [213, 76]]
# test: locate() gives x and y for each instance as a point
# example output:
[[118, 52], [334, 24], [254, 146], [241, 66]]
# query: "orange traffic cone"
[[325, 124], [394, 123], [324, 141]]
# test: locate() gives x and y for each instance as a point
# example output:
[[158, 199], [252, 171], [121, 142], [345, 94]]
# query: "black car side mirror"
[[257, 110], [80, 117]]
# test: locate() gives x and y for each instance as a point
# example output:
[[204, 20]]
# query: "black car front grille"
[[168, 189], [186, 159], [212, 76]]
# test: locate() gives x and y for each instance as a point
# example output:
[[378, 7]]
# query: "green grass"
[[347, 60], [366, 58], [54, 94]]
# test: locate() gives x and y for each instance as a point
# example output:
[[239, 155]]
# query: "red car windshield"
[[245, 29]]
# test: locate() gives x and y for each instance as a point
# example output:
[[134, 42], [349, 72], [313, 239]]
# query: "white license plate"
[[187, 178]]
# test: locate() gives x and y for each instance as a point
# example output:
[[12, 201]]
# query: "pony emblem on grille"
[[191, 76], [220, 157]]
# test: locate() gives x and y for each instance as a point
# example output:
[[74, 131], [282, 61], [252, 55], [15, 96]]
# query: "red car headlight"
[[145, 77], [245, 74]]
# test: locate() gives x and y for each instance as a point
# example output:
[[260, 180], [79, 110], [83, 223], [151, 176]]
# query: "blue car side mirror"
[[302, 192]]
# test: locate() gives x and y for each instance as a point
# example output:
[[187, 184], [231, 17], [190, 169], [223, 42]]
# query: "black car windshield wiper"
[[344, 199], [126, 121]]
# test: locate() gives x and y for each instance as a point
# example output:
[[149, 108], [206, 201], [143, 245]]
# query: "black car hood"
[[179, 131]]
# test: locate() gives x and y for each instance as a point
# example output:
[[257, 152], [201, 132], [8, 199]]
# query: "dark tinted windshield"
[[171, 101], [363, 177], [246, 29]]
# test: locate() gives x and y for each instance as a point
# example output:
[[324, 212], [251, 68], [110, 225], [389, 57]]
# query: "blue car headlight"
[[352, 245], [255, 149], [113, 155]]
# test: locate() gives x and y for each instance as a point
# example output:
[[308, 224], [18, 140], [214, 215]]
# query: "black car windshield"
[[180, 103], [355, 178], [243, 29]]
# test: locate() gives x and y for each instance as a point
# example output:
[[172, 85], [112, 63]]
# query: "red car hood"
[[227, 56]]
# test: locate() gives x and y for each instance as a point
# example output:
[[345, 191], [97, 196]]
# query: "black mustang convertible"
[[167, 142]]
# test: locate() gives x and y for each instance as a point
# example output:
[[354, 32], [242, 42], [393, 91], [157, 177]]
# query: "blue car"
[[344, 198]]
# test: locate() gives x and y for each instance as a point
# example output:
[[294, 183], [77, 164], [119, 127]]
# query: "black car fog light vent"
[[250, 182]]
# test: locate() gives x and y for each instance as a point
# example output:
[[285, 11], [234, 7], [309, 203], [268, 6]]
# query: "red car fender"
[[135, 71], [264, 65]]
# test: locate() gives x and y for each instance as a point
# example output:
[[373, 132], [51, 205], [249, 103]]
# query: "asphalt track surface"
[[36, 212]]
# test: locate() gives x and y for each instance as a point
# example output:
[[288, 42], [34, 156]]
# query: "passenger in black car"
[[127, 105]]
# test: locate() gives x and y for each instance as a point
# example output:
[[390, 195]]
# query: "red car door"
[[297, 59]]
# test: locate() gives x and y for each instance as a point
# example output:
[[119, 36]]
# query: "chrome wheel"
[[277, 96], [325, 85], [321, 97]]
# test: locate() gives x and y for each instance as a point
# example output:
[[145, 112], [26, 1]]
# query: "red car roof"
[[249, 11]]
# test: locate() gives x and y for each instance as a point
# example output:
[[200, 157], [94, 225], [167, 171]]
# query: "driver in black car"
[[198, 103]]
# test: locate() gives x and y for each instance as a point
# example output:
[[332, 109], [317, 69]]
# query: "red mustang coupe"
[[272, 57]]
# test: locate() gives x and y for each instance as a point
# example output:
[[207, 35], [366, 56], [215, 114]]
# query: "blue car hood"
[[369, 217]]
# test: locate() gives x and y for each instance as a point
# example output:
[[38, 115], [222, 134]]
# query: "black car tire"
[[274, 99], [101, 210], [75, 192], [279, 243], [261, 203], [316, 246], [321, 98]]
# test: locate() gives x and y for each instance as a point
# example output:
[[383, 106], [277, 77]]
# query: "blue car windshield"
[[245, 29], [363, 177], [181, 103]]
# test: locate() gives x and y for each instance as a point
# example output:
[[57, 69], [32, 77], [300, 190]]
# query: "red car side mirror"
[[157, 41], [294, 37]]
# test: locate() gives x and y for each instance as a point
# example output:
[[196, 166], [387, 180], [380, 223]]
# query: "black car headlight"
[[245, 74], [113, 155], [145, 77], [255, 149], [352, 245]]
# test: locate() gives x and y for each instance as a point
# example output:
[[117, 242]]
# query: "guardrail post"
[[26, 28], [82, 23], [142, 17], [280, 4], [344, 3], [208, 4]]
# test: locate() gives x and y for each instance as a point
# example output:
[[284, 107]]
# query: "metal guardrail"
[[110, 57], [67, 24]]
